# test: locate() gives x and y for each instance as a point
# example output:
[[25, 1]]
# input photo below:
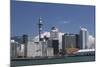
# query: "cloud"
[[66, 22], [47, 34]]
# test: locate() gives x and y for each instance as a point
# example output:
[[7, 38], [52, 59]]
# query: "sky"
[[66, 17]]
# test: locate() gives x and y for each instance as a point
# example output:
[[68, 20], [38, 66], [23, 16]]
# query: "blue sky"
[[67, 18]]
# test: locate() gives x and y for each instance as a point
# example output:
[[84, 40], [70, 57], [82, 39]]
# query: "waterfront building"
[[21, 51], [34, 49], [13, 50], [44, 48], [54, 35], [49, 43], [69, 41], [77, 41], [31, 49], [50, 52], [84, 35], [25, 41]]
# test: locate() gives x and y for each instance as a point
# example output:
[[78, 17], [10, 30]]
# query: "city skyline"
[[66, 17]]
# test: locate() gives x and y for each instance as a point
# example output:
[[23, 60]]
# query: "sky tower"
[[40, 27]]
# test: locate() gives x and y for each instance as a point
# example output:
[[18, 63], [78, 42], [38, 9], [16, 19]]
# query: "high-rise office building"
[[69, 41], [83, 38], [54, 34], [77, 41], [44, 48], [14, 46], [25, 41]]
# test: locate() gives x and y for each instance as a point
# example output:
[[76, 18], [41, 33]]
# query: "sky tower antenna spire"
[[40, 24]]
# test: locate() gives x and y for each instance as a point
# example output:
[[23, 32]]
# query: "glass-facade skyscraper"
[[83, 38], [70, 41]]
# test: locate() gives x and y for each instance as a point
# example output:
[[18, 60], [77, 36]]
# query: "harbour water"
[[70, 59]]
